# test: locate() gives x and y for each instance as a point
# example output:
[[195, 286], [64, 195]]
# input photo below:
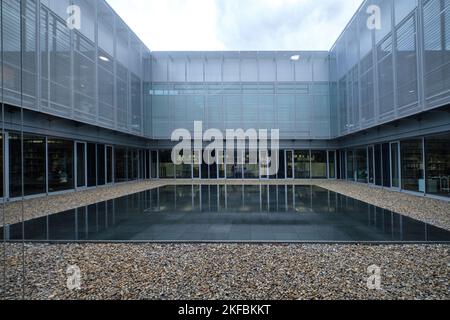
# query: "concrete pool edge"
[[230, 242]]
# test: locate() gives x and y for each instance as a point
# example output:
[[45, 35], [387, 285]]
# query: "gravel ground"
[[432, 211], [228, 271], [42, 206]]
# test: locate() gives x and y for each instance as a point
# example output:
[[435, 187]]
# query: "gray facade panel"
[[103, 75], [92, 75], [402, 68]]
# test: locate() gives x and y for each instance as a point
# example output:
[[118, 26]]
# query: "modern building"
[[89, 107]]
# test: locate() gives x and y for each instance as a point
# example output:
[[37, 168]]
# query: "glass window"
[[412, 165], [343, 165], [407, 63], [166, 166], [1, 165], [81, 165], [136, 113], [438, 165], [213, 171], [91, 164], [378, 174], [33, 165], [371, 165], [350, 168], [361, 165], [133, 164], [319, 164], [100, 164], [386, 76], [436, 16], [289, 164], [386, 166], [120, 160], [141, 164], [221, 165], [109, 164], [332, 164], [302, 164], [403, 8], [204, 170], [183, 171], [154, 171], [60, 165], [15, 167], [147, 164], [234, 166], [282, 168], [196, 156], [395, 158], [213, 167], [251, 171]]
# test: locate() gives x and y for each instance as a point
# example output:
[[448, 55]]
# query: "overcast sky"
[[186, 25]]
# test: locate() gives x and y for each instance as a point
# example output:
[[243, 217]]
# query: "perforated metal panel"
[[437, 51], [245, 98], [78, 77]]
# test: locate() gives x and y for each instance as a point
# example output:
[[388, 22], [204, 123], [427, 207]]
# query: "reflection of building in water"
[[299, 213]]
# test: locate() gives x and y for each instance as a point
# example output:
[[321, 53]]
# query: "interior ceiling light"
[[295, 57], [103, 58]]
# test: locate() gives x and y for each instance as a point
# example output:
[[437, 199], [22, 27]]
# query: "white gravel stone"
[[228, 271]]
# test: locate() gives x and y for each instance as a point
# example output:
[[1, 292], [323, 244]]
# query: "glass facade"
[[438, 165], [81, 164], [29, 168], [362, 168], [92, 164], [166, 166], [412, 165], [60, 165], [302, 164], [103, 79], [89, 107], [319, 165], [389, 59], [121, 167]]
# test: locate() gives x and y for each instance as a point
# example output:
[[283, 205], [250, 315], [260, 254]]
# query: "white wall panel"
[[267, 70], [195, 70]]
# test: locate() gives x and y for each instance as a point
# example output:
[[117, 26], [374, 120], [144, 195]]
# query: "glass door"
[[212, 166], [370, 161], [109, 165], [378, 165], [289, 164], [332, 164], [147, 164], [221, 165], [386, 165], [395, 165], [81, 158], [196, 156], [154, 164], [264, 165]]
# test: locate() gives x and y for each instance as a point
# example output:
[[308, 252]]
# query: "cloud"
[[171, 24], [237, 24], [283, 24]]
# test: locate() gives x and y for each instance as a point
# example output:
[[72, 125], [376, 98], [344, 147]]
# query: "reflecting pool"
[[229, 213]]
